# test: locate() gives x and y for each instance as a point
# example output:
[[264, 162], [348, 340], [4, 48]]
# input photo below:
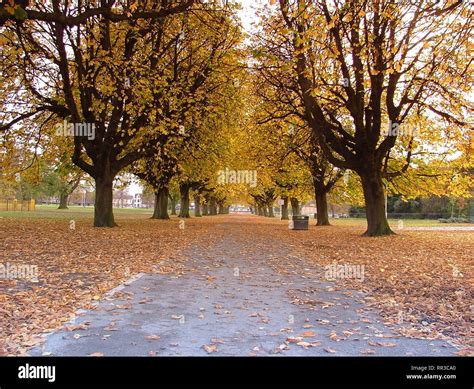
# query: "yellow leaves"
[[16, 10], [332, 22], [348, 18], [314, 93], [10, 8]]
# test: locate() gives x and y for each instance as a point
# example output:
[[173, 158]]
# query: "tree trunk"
[[161, 204], [284, 208], [295, 206], [322, 217], [221, 209], [270, 211], [197, 206], [212, 207], [63, 197], [103, 212], [265, 210], [377, 224], [184, 192], [259, 210], [205, 209]]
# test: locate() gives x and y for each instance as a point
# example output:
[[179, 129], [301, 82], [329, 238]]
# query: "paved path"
[[233, 301]]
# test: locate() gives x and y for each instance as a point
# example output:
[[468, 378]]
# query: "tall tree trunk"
[[260, 210], [205, 209], [63, 197], [374, 195], [103, 212], [184, 192], [295, 206], [322, 217], [212, 207], [284, 208], [161, 204], [197, 206], [221, 208], [270, 210], [265, 210]]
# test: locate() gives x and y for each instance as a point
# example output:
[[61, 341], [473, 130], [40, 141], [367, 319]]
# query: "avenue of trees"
[[332, 100]]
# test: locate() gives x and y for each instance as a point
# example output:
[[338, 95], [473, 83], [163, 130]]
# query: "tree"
[[88, 63], [281, 110], [374, 63], [324, 177]]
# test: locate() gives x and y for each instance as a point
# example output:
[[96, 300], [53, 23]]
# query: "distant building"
[[309, 208], [122, 200], [334, 210], [137, 200]]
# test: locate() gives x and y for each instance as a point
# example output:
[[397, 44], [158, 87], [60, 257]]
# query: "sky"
[[247, 14]]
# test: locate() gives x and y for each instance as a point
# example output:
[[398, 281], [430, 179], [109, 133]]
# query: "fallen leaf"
[[304, 344], [294, 339], [210, 348], [152, 337]]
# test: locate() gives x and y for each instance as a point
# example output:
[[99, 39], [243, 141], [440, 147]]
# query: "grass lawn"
[[74, 212], [78, 212], [394, 223]]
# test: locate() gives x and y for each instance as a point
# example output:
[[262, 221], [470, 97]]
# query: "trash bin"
[[300, 222]]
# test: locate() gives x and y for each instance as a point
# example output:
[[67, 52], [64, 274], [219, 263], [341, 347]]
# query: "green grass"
[[394, 223], [74, 212], [78, 212]]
